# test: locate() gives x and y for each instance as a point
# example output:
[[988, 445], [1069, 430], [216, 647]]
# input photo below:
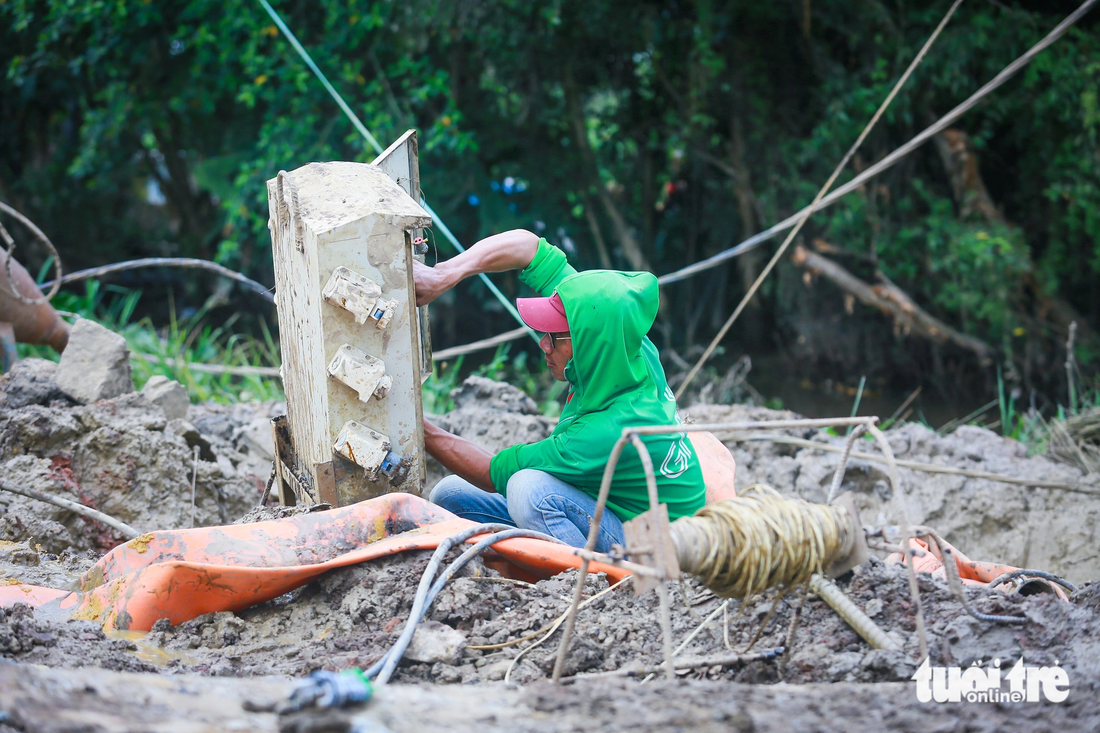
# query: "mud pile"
[[123, 457], [350, 616], [1045, 529], [130, 461], [494, 415]]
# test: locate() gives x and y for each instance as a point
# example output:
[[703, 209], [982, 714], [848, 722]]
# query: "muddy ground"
[[349, 617]]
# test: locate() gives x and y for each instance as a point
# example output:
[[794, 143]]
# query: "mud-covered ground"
[[350, 616], [483, 629]]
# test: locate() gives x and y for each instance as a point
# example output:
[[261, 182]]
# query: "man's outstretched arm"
[[459, 456], [512, 250]]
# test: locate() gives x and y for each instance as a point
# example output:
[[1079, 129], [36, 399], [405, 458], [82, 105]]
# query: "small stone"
[[95, 365], [191, 434], [169, 394], [31, 382], [496, 670], [435, 642], [255, 437]]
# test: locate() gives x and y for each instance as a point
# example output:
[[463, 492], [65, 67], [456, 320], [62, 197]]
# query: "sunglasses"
[[555, 339]]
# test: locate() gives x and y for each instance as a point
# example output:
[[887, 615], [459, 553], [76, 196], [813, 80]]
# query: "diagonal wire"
[[1007, 73], [378, 150], [817, 199]]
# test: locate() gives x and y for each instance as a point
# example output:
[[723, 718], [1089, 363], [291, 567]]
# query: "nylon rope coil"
[[760, 540]]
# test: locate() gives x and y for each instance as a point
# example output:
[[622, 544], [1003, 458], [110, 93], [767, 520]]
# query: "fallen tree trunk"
[[893, 301]]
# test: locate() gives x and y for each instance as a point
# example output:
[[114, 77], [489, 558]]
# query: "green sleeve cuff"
[[501, 468], [547, 269]]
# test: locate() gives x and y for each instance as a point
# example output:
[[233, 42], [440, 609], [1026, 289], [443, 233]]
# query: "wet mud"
[[828, 678]]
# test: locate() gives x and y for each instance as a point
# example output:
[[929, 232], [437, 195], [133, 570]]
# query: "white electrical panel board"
[[354, 345]]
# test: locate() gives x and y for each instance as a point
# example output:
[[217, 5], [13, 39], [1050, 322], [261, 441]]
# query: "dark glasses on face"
[[554, 339]]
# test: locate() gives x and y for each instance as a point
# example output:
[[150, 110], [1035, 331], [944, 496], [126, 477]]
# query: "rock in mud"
[[95, 365], [31, 382], [169, 395], [435, 642], [115, 456]]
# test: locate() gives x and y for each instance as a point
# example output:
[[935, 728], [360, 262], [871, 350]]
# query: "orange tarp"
[[971, 572], [184, 573]]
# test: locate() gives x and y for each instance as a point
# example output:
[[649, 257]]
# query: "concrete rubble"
[[169, 395], [95, 365]]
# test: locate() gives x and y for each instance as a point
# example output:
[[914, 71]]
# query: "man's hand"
[[430, 282]]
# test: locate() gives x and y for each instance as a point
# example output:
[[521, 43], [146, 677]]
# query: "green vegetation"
[[634, 135], [173, 349]]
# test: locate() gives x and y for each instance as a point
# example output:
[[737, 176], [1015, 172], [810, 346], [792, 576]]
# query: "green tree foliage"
[[633, 134]]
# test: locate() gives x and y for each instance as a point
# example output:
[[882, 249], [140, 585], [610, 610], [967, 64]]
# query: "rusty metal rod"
[[827, 422], [590, 545], [633, 567], [850, 612], [664, 607]]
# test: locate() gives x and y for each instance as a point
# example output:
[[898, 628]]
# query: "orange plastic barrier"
[[718, 466], [181, 574], [971, 572]]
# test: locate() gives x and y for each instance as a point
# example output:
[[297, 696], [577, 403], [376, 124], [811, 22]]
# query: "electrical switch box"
[[360, 296], [355, 347], [361, 372]]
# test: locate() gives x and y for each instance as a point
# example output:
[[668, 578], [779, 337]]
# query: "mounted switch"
[[360, 296], [360, 371], [370, 450]]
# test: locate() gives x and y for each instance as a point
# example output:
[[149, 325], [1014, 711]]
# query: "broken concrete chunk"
[[95, 365], [169, 394], [436, 642], [191, 434], [255, 438]]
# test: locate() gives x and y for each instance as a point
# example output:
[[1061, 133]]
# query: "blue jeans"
[[536, 500]]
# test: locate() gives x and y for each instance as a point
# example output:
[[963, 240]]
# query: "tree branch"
[[894, 302]]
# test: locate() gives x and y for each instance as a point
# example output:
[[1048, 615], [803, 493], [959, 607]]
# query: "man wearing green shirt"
[[593, 327]]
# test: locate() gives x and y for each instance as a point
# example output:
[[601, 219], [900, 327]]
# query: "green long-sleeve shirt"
[[617, 381]]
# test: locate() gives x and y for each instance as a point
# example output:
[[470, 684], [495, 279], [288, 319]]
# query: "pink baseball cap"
[[543, 314]]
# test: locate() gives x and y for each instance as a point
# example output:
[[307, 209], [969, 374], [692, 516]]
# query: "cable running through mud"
[[426, 592]]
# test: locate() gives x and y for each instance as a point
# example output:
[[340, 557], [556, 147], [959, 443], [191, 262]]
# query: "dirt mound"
[[350, 616], [121, 456], [1044, 529], [494, 415]]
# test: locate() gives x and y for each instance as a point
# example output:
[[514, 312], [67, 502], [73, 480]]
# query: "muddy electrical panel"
[[355, 348]]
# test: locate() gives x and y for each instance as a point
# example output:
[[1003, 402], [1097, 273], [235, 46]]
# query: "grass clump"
[[175, 349]]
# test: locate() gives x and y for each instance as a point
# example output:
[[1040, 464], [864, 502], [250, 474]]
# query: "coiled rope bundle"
[[761, 540]]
